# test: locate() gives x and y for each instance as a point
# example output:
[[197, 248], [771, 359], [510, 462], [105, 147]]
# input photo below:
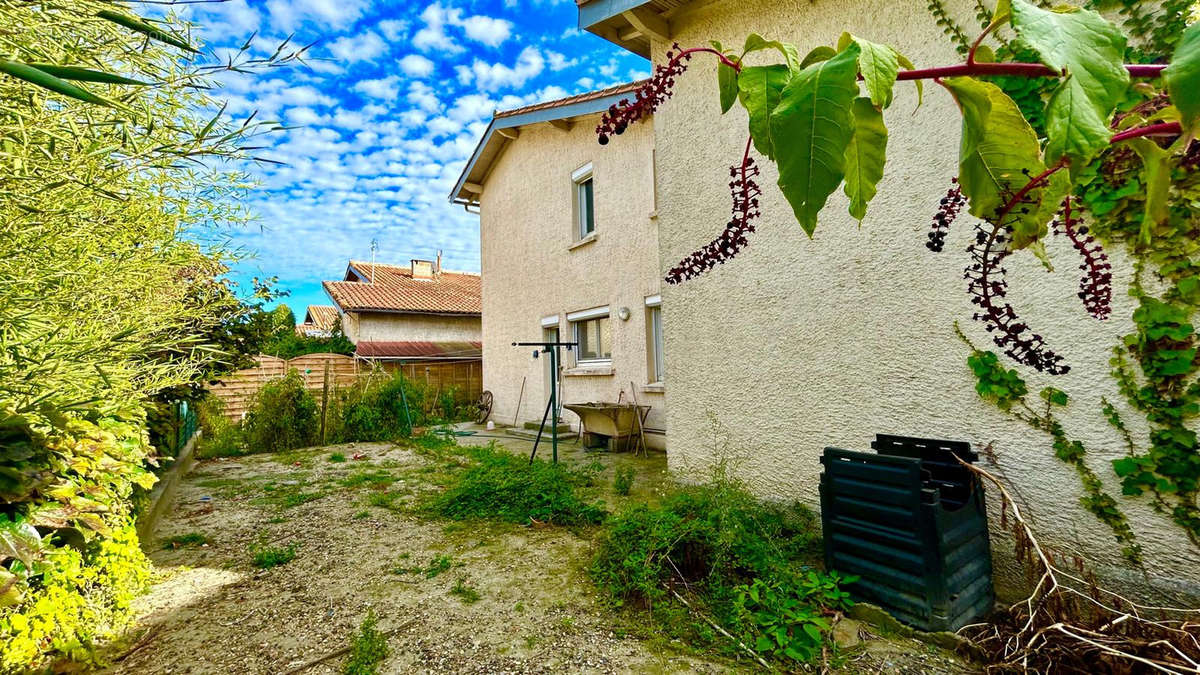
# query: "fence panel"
[[237, 390]]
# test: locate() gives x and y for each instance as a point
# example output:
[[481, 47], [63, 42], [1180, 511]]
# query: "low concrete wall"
[[164, 490]]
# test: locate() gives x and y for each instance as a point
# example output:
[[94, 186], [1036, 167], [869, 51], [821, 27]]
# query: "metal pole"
[[554, 401], [540, 429]]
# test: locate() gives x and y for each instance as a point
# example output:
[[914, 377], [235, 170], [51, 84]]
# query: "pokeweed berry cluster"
[[988, 287], [733, 238], [646, 98], [948, 210], [1095, 286]]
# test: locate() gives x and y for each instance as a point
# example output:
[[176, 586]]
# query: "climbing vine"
[[1071, 124]]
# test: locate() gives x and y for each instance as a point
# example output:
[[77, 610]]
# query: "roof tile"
[[395, 290]]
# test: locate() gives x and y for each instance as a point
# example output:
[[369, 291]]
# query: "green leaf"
[[1089, 51], [763, 644], [1182, 78], [83, 74], [1000, 16], [865, 156], [1156, 174], [47, 81], [727, 81], [146, 29], [756, 42], [908, 65], [759, 89], [998, 155], [878, 65], [1125, 466], [813, 126], [818, 54]]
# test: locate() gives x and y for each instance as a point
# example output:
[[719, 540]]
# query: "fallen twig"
[[722, 631], [141, 642]]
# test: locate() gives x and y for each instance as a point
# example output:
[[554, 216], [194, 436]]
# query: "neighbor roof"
[[321, 316], [493, 143], [379, 287]]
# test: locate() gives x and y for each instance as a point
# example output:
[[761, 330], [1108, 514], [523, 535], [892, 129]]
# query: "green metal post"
[[554, 402]]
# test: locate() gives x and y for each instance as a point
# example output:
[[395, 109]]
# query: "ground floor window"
[[654, 340], [590, 328]]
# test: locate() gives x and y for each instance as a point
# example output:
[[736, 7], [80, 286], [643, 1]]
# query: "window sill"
[[654, 388], [582, 242], [596, 370]]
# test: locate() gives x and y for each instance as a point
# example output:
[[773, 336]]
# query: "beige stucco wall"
[[378, 326], [531, 270], [800, 344]]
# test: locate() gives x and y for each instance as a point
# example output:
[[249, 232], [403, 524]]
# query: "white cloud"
[[416, 65], [290, 15], [365, 47], [433, 35], [384, 88], [488, 30], [495, 76], [393, 29], [558, 61], [424, 97]]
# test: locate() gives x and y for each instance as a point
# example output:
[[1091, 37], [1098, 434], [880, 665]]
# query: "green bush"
[[748, 563], [283, 416], [220, 437], [503, 486], [384, 408], [265, 557]]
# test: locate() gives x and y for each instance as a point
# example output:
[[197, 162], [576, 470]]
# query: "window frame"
[[656, 362], [577, 320], [581, 177]]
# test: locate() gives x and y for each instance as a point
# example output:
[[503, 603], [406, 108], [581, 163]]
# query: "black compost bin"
[[911, 522]]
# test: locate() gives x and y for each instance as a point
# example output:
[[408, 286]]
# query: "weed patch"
[[375, 478], [184, 540], [623, 483], [747, 563], [368, 649], [337, 457], [502, 486], [463, 592], [440, 564], [265, 557]]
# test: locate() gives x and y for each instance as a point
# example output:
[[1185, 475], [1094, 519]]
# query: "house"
[[569, 251], [319, 321], [417, 318], [799, 343]]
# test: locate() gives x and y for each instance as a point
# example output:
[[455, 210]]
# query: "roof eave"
[[630, 24], [490, 136]]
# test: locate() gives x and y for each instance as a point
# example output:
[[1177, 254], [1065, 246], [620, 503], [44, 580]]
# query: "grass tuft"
[[184, 540], [266, 557], [463, 592], [368, 649]]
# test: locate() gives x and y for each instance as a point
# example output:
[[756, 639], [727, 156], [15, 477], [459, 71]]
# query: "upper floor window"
[[585, 210]]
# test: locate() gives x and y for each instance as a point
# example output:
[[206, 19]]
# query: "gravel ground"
[[211, 611]]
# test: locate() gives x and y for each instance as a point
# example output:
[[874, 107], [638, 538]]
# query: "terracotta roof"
[[395, 290], [398, 350], [302, 329], [321, 316], [579, 98]]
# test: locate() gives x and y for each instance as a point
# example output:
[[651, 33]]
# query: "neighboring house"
[[798, 343], [569, 251], [319, 321], [415, 312]]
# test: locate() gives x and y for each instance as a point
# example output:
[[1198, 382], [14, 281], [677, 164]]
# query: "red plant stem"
[[1020, 194], [1160, 129], [708, 50], [1014, 69]]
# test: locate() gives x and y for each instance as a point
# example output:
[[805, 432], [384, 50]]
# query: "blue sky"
[[387, 110]]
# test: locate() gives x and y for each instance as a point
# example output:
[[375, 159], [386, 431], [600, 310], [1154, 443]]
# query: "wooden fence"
[[238, 389]]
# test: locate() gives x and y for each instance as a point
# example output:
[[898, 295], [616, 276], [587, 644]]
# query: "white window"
[[654, 339], [590, 328], [585, 208]]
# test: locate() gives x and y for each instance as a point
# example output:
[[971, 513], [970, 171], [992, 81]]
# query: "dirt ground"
[[357, 548]]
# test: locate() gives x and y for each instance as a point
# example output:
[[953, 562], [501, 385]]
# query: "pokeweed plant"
[[1093, 129]]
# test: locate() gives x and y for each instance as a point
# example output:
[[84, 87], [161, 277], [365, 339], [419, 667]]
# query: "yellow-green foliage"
[[107, 298]]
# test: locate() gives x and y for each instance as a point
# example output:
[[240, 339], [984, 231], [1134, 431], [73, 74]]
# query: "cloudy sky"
[[390, 104]]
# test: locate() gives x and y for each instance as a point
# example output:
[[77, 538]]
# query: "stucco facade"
[[799, 344], [537, 270], [408, 327]]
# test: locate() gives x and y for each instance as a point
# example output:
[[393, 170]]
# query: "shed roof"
[[386, 349], [321, 316], [380, 287]]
